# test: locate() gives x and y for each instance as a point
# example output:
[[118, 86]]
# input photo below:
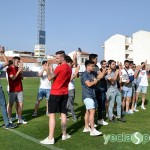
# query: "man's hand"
[[2, 49]]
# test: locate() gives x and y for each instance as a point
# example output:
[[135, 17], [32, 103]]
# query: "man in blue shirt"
[[2, 96], [88, 82]]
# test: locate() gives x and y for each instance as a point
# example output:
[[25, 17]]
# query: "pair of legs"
[[70, 102], [18, 98], [143, 90], [114, 96], [3, 107], [126, 94], [52, 124], [57, 104], [37, 104], [41, 94]]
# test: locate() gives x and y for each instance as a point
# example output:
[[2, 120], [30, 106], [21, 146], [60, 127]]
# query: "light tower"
[[39, 50]]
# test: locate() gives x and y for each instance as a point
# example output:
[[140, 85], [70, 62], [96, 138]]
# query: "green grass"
[[38, 127]]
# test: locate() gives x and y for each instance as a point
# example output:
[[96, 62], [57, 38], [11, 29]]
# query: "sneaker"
[[65, 137], [95, 133], [22, 117], [11, 126], [142, 107], [87, 130], [121, 119], [102, 122], [136, 110], [34, 114], [48, 141], [21, 121], [95, 125], [129, 112], [10, 120]]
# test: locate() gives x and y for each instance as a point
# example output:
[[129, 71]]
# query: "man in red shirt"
[[58, 96], [15, 88]]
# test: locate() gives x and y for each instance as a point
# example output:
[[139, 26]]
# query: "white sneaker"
[[10, 120], [95, 125], [34, 114], [87, 130], [136, 110], [65, 137], [95, 133], [22, 121], [102, 122], [48, 141], [142, 107]]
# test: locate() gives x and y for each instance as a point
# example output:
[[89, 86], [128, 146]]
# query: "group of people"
[[112, 91]]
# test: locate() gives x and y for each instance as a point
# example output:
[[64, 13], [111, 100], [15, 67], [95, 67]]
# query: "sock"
[[135, 105]]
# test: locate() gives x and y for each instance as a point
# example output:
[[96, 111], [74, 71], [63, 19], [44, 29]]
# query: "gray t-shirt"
[[111, 86], [87, 92]]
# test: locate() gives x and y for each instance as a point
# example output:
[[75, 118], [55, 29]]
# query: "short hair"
[[110, 62], [88, 62], [102, 62], [126, 61], [61, 52], [44, 62], [16, 57], [131, 62], [10, 62], [92, 56], [142, 63], [68, 59]]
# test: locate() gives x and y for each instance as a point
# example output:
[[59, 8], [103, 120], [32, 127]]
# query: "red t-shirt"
[[60, 84], [14, 85]]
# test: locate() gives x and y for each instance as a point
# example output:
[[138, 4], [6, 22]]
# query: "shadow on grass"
[[27, 114], [77, 125]]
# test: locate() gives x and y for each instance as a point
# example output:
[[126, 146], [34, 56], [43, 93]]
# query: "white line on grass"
[[33, 139]]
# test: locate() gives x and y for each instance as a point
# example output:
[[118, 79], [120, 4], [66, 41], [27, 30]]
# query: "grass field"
[[37, 128]]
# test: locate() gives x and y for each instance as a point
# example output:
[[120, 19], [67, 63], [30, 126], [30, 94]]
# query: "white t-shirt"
[[71, 83], [44, 82], [142, 79], [124, 74]]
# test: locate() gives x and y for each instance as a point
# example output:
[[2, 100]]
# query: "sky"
[[71, 24]]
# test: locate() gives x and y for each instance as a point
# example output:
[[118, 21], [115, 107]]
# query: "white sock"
[[135, 105]]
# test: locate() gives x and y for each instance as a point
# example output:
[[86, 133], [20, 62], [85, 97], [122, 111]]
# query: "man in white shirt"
[[127, 77], [44, 88], [142, 84]]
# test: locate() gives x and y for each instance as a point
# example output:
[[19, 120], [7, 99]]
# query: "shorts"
[[89, 103], [127, 91], [57, 104], [142, 89], [15, 97], [43, 93]]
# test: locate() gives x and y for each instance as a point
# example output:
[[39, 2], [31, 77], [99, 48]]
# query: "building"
[[135, 48], [12, 53], [81, 58]]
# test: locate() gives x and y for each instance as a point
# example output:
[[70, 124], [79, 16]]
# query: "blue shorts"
[[142, 89], [43, 93], [89, 103], [127, 91]]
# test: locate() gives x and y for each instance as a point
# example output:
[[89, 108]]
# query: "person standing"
[[8, 125], [15, 76], [142, 84], [58, 96], [44, 88], [94, 57], [88, 82], [113, 92]]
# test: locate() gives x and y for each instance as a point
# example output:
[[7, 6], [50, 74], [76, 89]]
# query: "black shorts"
[[57, 104]]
